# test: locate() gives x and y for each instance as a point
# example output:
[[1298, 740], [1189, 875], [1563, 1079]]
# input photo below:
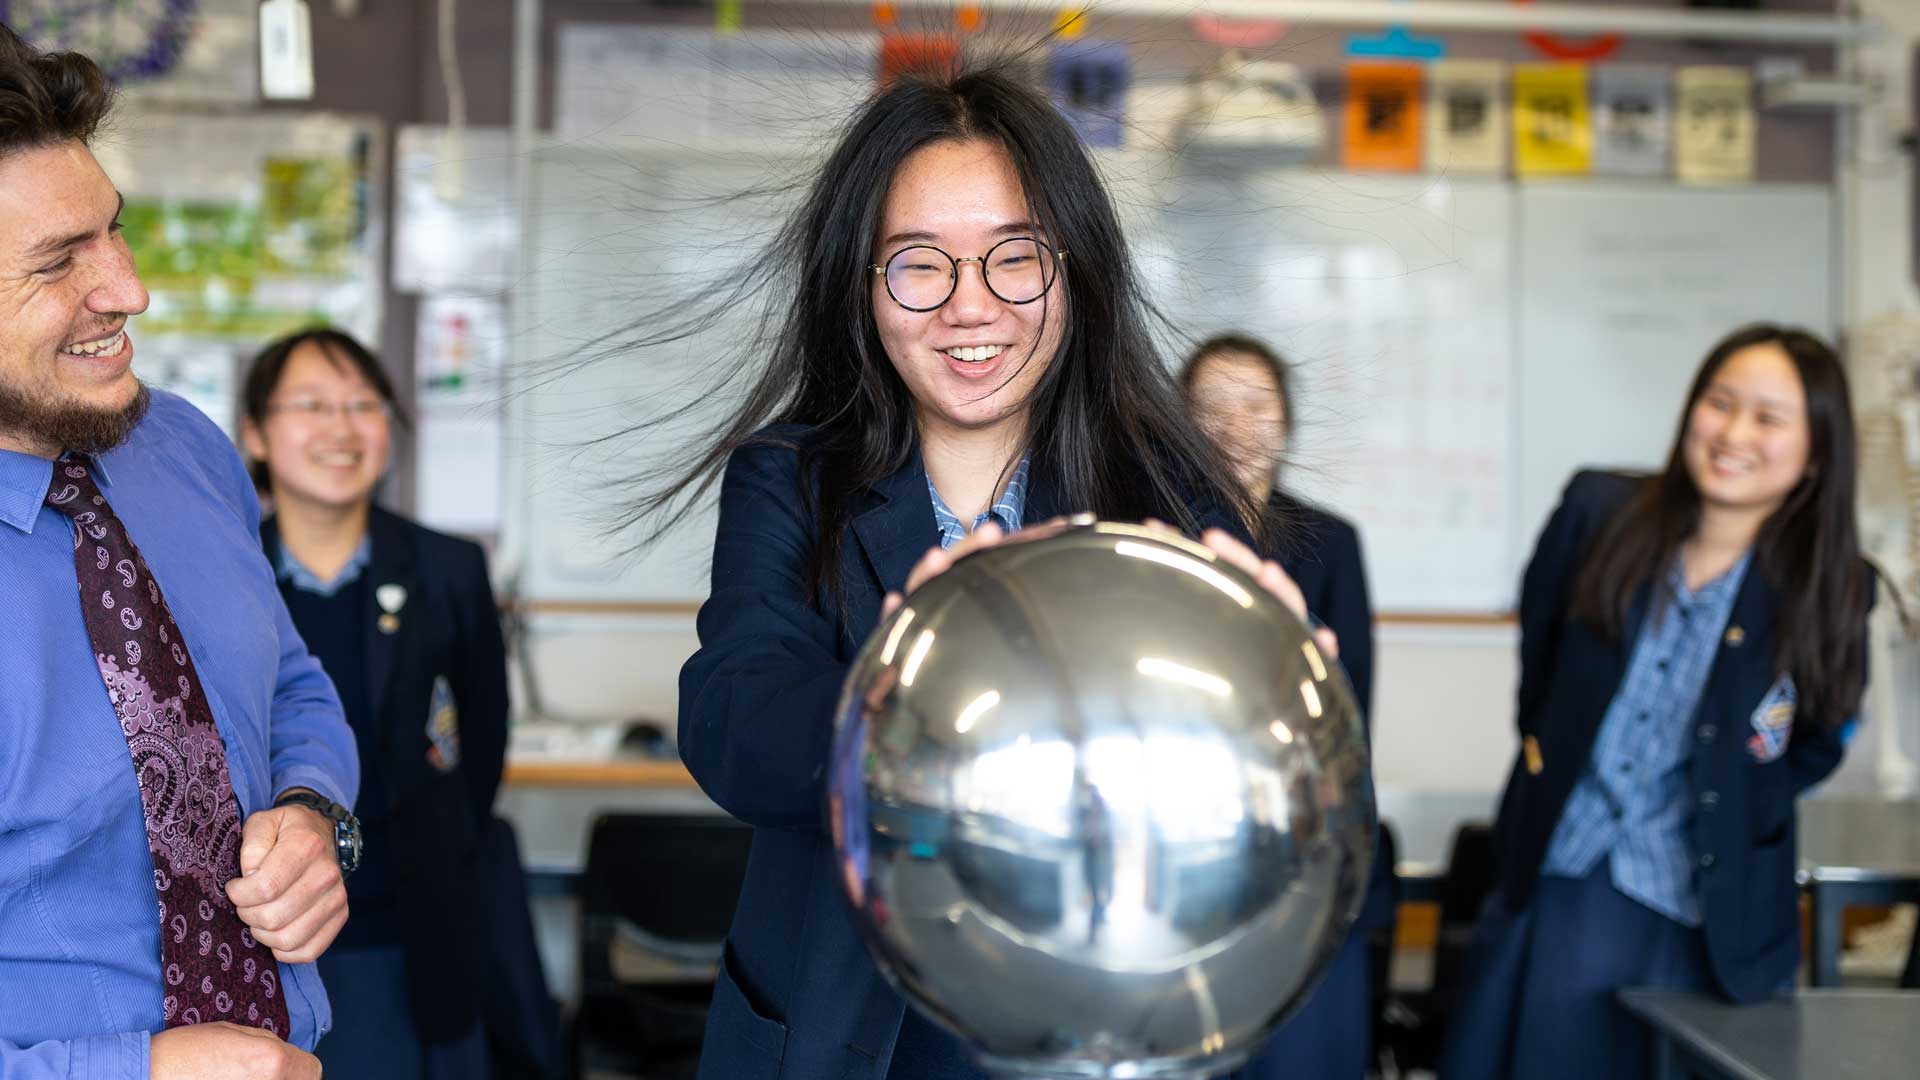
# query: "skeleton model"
[[1886, 383]]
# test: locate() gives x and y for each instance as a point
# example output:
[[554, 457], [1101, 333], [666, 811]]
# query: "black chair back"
[[667, 885]]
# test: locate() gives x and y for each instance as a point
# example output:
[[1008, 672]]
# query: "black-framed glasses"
[[1017, 270], [310, 408]]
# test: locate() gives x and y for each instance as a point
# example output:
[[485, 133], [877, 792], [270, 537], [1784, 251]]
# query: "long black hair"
[[1106, 427], [1809, 548]]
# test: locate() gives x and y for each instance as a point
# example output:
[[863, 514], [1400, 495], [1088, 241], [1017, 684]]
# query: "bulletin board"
[[245, 226]]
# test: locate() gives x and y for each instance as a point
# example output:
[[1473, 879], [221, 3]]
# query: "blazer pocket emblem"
[[443, 728], [1773, 722]]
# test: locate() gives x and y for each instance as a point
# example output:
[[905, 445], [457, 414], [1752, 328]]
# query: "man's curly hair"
[[47, 98]]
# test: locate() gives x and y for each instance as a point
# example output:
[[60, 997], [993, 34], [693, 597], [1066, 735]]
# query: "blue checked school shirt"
[[1007, 509], [295, 573], [1633, 800]]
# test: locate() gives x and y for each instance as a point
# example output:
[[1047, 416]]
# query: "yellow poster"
[[1552, 135], [1467, 116], [1713, 128]]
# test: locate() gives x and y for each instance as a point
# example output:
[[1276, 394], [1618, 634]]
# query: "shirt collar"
[[295, 573], [1008, 509], [24, 480], [1711, 593]]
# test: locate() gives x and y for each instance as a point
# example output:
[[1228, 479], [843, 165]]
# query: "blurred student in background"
[[403, 620], [1237, 389], [1692, 655]]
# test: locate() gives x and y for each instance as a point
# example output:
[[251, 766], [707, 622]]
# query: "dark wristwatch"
[[346, 827]]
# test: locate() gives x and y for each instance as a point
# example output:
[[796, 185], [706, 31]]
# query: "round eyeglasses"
[[922, 277]]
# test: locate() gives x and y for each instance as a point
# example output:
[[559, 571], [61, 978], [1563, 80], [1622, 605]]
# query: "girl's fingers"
[[1328, 641]]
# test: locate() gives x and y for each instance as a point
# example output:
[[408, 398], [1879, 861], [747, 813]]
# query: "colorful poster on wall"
[[1088, 83], [1713, 140], [1632, 113], [1383, 126], [1551, 132], [1467, 116], [460, 359], [245, 227]]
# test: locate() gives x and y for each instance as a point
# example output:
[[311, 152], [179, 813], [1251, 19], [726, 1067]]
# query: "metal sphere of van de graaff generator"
[[1100, 804]]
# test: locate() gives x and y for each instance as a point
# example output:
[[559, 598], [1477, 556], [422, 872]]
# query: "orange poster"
[[935, 55], [1383, 117]]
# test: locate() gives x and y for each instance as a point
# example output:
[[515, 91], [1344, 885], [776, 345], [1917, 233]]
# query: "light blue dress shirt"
[[80, 980], [1634, 800]]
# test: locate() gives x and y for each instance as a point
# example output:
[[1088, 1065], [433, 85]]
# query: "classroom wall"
[[1444, 692], [383, 61]]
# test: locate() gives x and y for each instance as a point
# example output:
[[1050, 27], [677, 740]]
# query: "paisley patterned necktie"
[[213, 968]]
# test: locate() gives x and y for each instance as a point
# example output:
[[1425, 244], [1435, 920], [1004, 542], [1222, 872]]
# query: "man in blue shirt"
[[161, 902]]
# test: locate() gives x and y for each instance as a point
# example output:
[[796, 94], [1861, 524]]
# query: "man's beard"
[[69, 425]]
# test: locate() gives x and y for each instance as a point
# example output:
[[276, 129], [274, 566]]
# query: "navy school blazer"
[[797, 996], [1321, 553], [1743, 827], [446, 631]]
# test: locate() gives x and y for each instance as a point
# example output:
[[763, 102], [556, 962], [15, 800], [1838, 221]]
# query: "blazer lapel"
[[391, 602], [1043, 498], [898, 527], [1604, 675]]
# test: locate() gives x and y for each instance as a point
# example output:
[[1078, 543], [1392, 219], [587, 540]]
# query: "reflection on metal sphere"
[[1100, 805]]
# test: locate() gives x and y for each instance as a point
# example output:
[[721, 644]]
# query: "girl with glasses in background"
[[403, 620]]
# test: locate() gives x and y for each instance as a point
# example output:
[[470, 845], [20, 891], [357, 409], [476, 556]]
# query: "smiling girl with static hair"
[[1692, 654], [964, 351]]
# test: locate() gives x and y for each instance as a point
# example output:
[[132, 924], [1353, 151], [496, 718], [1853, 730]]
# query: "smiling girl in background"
[[403, 620], [1692, 654]]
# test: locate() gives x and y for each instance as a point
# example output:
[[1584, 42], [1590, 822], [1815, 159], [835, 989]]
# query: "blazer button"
[[1707, 861], [1709, 800], [1707, 732]]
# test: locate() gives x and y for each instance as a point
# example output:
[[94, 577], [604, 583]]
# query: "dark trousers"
[[1541, 984], [373, 1036]]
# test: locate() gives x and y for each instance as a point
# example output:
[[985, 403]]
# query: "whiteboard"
[[1622, 290], [1389, 296], [1461, 345], [618, 238]]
